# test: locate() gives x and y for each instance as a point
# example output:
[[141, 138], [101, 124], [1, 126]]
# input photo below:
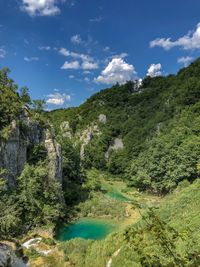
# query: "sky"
[[66, 50]]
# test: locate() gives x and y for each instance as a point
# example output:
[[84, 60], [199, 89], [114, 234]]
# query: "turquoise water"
[[117, 196], [86, 228]]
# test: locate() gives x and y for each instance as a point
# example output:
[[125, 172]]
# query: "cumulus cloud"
[[154, 70], [185, 60], [89, 65], [67, 53], [58, 98], [29, 59], [190, 41], [71, 65], [47, 48], [41, 7], [86, 61], [64, 52], [76, 39], [117, 70], [2, 52], [122, 55]]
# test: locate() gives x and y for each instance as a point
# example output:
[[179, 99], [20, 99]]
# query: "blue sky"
[[66, 50]]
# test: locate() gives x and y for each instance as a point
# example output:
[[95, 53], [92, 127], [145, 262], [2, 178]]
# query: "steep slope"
[[145, 133], [168, 236], [30, 163]]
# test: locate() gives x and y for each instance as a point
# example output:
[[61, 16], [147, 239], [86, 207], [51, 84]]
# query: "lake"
[[86, 228]]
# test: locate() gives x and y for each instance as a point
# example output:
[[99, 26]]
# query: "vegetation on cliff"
[[158, 123]]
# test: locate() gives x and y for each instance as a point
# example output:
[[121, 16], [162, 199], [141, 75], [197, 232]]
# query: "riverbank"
[[108, 211]]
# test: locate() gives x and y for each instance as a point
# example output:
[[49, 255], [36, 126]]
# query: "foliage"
[[37, 200], [36, 153], [158, 123], [167, 237], [100, 206]]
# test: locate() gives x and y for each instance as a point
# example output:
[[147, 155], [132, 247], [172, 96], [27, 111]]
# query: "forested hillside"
[[158, 124], [32, 167], [129, 155]]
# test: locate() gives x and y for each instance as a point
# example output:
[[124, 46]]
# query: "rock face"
[[86, 136], [8, 257], [116, 145], [54, 156], [13, 152], [102, 118], [65, 129]]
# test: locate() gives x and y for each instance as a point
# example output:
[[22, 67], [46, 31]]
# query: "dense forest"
[[158, 123], [147, 134]]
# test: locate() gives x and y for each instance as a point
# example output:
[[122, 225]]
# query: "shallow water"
[[117, 196], [86, 228]]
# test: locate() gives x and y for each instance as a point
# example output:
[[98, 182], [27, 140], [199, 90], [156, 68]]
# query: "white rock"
[[31, 242], [102, 118]]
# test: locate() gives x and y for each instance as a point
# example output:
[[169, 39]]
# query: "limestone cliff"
[[54, 156], [8, 257], [13, 152]]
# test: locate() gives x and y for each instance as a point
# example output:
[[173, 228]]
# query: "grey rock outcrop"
[[102, 118], [116, 145], [54, 157], [13, 152], [8, 257], [66, 130], [86, 137]]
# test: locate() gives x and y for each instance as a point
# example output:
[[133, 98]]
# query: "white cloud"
[[86, 79], [40, 7], [71, 76], [29, 59], [122, 55], [86, 72], [117, 70], [97, 19], [107, 48], [154, 70], [58, 98], [185, 60], [71, 65], [189, 41], [67, 53], [86, 61], [89, 65], [47, 48], [76, 39], [2, 52], [64, 52]]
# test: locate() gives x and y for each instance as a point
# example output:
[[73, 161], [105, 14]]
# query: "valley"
[[111, 183], [113, 213]]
